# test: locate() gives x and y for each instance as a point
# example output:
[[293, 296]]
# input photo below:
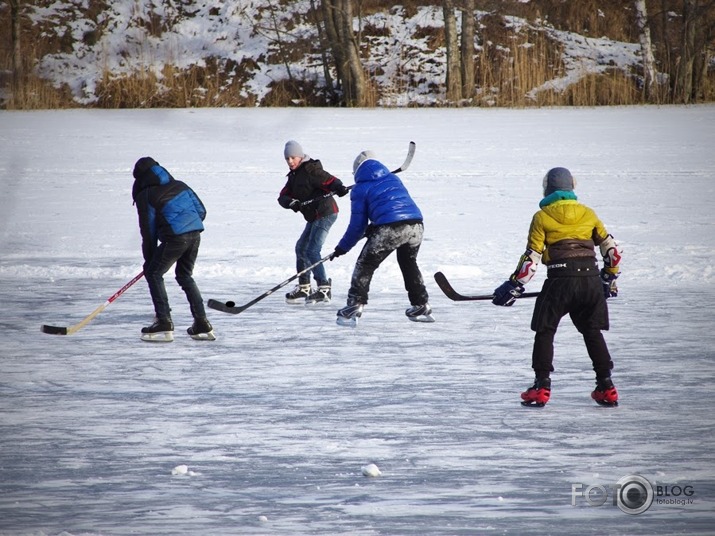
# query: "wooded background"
[[676, 40]]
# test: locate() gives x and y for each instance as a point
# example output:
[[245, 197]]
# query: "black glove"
[[342, 191], [295, 205], [338, 251], [608, 280], [507, 293]]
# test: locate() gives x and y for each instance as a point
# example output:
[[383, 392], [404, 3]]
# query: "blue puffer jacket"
[[378, 198], [166, 207]]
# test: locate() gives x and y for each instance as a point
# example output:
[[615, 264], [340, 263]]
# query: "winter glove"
[[342, 191], [294, 205], [506, 293], [338, 251], [608, 280]]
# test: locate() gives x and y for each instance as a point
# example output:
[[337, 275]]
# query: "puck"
[[230, 304]]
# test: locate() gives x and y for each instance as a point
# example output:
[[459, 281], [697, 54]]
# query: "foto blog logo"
[[632, 494]]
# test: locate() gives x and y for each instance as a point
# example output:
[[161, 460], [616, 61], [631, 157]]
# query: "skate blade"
[[204, 336], [313, 303], [533, 404], [607, 404], [161, 336], [299, 301], [422, 318], [347, 322]]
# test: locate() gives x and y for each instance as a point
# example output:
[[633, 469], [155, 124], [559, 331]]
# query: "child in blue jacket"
[[170, 221], [382, 210]]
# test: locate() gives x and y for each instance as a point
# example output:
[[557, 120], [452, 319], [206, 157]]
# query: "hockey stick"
[[231, 307], [58, 330], [453, 295], [329, 194], [408, 159], [403, 167]]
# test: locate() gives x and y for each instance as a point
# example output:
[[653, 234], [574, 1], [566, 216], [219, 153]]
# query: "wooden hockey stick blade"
[[58, 330], [61, 330], [453, 295]]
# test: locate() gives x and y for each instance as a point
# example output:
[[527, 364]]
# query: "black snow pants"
[[582, 298], [403, 237]]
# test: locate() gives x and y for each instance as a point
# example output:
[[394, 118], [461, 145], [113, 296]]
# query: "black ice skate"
[[201, 330], [299, 294], [420, 313], [162, 330], [322, 295]]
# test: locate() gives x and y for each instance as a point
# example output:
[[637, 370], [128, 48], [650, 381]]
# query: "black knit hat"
[[143, 165]]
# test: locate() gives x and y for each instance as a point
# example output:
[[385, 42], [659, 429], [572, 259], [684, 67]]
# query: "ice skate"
[[538, 394], [322, 295], [420, 313], [350, 314], [162, 330], [299, 294], [201, 330], [605, 393]]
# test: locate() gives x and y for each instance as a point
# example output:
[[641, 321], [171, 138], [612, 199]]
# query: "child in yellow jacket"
[[563, 235]]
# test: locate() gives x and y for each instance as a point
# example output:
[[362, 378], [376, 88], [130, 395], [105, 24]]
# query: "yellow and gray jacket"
[[563, 235]]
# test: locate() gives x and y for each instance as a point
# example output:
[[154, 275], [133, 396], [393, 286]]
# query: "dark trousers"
[[182, 250], [405, 239], [583, 300]]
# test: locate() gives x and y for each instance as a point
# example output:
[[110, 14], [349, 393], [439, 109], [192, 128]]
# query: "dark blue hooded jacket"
[[166, 207], [378, 198]]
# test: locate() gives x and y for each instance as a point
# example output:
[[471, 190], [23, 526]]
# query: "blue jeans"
[[182, 250], [307, 249]]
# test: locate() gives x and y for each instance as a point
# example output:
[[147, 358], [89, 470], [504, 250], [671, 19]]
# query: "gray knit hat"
[[359, 159], [293, 148], [558, 178]]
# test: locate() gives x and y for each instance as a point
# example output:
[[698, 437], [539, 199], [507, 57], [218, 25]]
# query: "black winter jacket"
[[311, 181]]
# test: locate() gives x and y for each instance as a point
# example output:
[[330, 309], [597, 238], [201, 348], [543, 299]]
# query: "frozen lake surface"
[[276, 418]]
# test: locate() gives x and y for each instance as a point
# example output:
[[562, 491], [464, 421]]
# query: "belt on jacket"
[[574, 267]]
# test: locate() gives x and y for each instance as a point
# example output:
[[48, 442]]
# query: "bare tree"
[[17, 67], [687, 56], [338, 20], [453, 70], [649, 69], [324, 46], [467, 49]]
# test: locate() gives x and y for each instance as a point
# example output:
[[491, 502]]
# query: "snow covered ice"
[[274, 421]]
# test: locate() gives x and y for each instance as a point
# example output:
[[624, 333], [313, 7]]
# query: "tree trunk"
[[358, 82], [467, 49], [649, 70], [324, 47], [331, 30], [453, 71], [687, 53], [17, 67], [337, 15]]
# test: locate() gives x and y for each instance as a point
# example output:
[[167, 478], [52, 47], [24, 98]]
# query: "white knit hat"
[[362, 157]]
